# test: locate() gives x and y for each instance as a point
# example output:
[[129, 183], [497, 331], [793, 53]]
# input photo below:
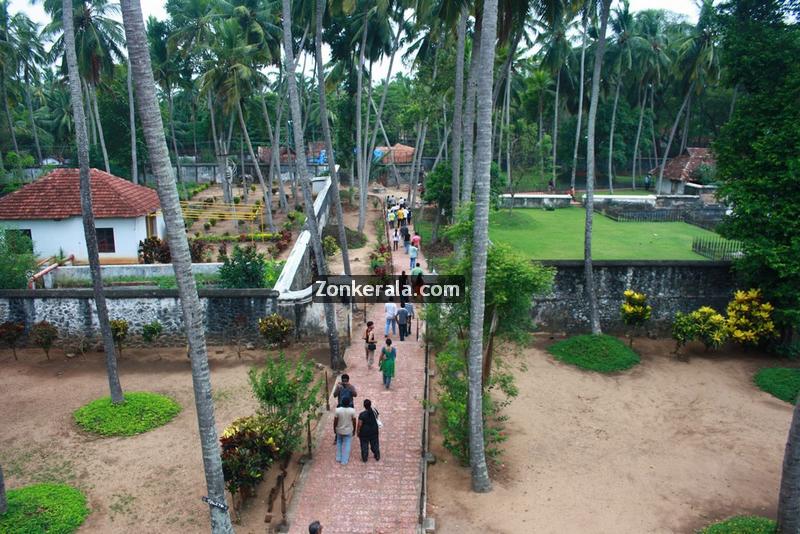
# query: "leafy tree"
[[244, 268], [17, 261]]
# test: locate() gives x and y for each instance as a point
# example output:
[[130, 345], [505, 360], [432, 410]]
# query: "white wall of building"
[[52, 236]]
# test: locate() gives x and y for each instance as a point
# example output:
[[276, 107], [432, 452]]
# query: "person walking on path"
[[386, 363], [345, 390], [411, 315], [344, 426], [369, 344], [396, 239], [390, 217], [390, 309], [406, 237], [416, 239], [412, 255], [401, 216], [315, 528], [402, 321], [368, 431]]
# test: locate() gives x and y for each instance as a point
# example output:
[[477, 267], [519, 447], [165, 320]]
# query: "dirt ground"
[[665, 447], [152, 482]]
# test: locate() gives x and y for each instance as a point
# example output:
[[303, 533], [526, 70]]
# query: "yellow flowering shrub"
[[634, 310], [749, 318], [710, 327]]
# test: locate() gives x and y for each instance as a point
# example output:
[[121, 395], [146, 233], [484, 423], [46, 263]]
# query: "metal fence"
[[717, 248], [646, 216]]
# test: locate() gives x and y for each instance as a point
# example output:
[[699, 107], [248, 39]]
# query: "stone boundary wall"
[[143, 270], [535, 200], [671, 286]]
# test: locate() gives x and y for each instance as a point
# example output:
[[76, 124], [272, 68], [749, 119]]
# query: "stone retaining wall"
[[535, 200]]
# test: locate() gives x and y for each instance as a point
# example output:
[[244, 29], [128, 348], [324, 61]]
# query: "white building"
[[49, 212]]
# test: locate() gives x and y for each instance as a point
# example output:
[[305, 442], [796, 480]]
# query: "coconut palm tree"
[[594, 316], [458, 107], [8, 48], [89, 231], [337, 362], [480, 244], [584, 31], [132, 121], [30, 55], [153, 130]]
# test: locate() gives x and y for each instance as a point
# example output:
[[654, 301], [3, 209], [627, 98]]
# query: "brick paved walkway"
[[373, 497]]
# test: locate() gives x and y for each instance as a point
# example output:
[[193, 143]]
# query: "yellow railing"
[[222, 211]]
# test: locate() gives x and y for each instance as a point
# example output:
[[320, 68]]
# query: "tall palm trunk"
[[29, 102], [89, 231], [638, 136], [337, 362], [259, 174], [686, 124], [90, 111], [480, 245], [153, 129], [93, 93], [584, 26], [508, 135], [220, 170], [672, 136], [363, 181], [541, 134], [4, 96], [789, 496], [458, 107], [174, 140], [555, 122], [418, 167], [469, 118], [326, 133], [283, 201], [594, 317], [132, 120], [653, 123], [611, 138]]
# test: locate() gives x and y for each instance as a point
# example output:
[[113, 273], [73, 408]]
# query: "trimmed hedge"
[[141, 411], [742, 525], [44, 508], [604, 354], [780, 382]]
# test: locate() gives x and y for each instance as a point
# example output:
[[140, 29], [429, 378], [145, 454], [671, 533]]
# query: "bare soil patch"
[[666, 447], [152, 482]]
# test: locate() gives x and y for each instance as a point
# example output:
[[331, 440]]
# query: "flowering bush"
[[275, 329], [749, 319], [330, 245], [704, 324], [119, 331], [249, 446], [635, 310], [10, 332], [682, 330]]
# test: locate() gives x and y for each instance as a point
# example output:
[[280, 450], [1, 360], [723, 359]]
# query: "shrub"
[[236, 200], [154, 250], [119, 331], [41, 508], [141, 411], [151, 331], [709, 327], [43, 335], [742, 525], [275, 329], [682, 330], [779, 382], [604, 354], [10, 334], [249, 446], [207, 226], [245, 268], [635, 311], [330, 246], [212, 221], [750, 319], [198, 250], [272, 270], [17, 260], [354, 239]]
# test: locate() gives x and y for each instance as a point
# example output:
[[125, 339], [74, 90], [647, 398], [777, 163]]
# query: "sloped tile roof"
[[682, 168], [57, 196]]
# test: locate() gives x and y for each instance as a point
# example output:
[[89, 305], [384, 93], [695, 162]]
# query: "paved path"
[[373, 497]]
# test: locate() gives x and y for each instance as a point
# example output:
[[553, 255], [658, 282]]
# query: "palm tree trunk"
[[418, 168], [29, 102], [442, 147], [789, 496], [508, 132], [174, 140], [3, 499], [638, 136], [86, 206], [611, 138], [132, 119], [584, 26], [458, 107], [469, 119], [541, 135], [259, 174], [4, 96], [337, 361], [653, 124], [220, 168], [411, 170], [362, 181], [366, 155], [326, 133], [594, 317], [504, 73], [391, 160], [685, 134], [555, 123], [181, 260], [480, 245], [672, 136], [283, 201], [733, 101], [100, 135]]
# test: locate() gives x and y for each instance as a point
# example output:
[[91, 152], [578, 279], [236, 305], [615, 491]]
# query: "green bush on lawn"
[[50, 508], [140, 412], [742, 524], [604, 354], [780, 382]]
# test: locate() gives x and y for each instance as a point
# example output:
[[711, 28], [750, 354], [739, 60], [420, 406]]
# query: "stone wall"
[[535, 200], [671, 286]]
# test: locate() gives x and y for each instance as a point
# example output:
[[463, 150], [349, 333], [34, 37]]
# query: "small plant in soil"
[[119, 331], [275, 329], [44, 508], [43, 335], [152, 331], [10, 334]]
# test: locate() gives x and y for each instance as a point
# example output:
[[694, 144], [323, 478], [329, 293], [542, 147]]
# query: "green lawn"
[[558, 235]]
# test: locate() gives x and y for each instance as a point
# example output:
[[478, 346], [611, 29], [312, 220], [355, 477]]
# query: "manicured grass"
[[780, 382], [604, 354], [141, 411], [558, 235], [742, 525], [44, 508]]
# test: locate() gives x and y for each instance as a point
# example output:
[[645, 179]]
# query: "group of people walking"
[[346, 424]]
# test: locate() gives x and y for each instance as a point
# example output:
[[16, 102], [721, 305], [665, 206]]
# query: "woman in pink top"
[[416, 239]]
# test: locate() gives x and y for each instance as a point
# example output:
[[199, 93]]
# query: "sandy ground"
[[152, 482], [665, 447]]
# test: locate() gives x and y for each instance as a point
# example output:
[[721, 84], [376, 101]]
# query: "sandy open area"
[[665, 447]]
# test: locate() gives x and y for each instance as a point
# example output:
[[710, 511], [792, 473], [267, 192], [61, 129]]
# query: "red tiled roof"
[[265, 154], [399, 152], [57, 196], [683, 167]]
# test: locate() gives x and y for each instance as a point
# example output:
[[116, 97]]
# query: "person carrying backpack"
[[345, 390], [344, 426]]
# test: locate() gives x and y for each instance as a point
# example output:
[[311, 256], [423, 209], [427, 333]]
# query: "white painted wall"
[[51, 236]]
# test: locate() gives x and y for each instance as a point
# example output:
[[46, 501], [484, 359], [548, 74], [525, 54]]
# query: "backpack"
[[345, 393]]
